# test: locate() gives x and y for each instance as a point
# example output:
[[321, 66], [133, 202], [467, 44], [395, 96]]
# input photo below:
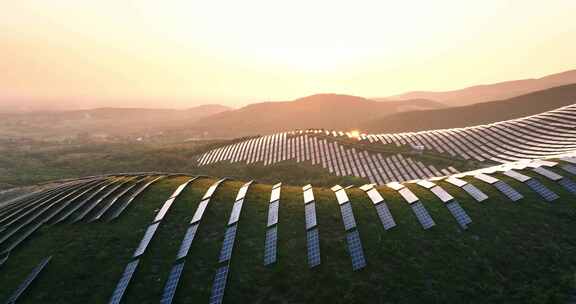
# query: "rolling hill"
[[316, 111], [125, 244], [496, 91], [481, 113], [103, 122]]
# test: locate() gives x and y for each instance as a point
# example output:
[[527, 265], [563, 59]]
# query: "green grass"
[[521, 252]]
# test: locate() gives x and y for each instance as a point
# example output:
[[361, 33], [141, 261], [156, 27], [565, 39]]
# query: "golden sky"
[[183, 53]]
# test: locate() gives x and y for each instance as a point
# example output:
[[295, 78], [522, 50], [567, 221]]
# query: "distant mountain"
[[102, 122], [316, 111], [481, 113], [496, 91]]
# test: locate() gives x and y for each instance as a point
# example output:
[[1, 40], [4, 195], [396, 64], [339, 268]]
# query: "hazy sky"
[[189, 52]]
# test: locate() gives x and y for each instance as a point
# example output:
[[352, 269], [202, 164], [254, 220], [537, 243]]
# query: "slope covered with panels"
[[533, 137], [378, 234]]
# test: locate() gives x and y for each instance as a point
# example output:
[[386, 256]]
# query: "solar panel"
[[172, 283], [126, 203], [310, 214], [270, 245], [275, 194], [273, 213], [476, 193], [150, 231], [313, 245], [385, 216], [508, 191], [160, 215], [341, 196], [227, 244], [459, 214], [217, 293], [124, 281], [441, 194], [542, 190], [200, 211], [422, 215], [408, 195], [568, 184], [375, 196], [243, 190], [517, 176], [547, 173], [180, 189], [426, 184], [29, 279], [187, 241], [456, 181], [355, 250], [308, 196], [569, 168], [486, 178], [212, 189], [347, 216], [236, 209], [3, 258]]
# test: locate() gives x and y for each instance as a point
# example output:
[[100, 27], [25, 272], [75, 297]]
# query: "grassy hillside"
[[488, 112], [513, 252], [107, 124]]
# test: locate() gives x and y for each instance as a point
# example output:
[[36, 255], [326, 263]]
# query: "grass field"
[[513, 252]]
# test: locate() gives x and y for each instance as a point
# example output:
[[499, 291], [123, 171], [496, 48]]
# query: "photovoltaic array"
[[217, 292], [353, 241], [271, 241], [312, 235], [171, 284]]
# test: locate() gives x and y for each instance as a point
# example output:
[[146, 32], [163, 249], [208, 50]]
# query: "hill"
[[405, 264], [496, 91], [316, 111], [481, 113], [103, 123]]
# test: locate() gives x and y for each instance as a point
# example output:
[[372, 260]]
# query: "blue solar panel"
[[347, 216], [459, 214], [568, 184], [507, 190], [187, 241], [150, 231], [217, 294], [29, 279], [542, 190], [200, 211], [476, 193], [228, 244], [172, 283], [273, 213], [236, 209], [310, 214], [270, 246], [422, 215], [313, 245], [385, 216], [569, 168], [355, 250], [124, 281]]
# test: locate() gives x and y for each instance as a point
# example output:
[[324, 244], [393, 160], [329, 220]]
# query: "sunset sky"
[[183, 53]]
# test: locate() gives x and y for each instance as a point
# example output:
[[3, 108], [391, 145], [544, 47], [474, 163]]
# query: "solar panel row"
[[332, 155], [171, 284], [542, 190], [143, 245], [28, 280]]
